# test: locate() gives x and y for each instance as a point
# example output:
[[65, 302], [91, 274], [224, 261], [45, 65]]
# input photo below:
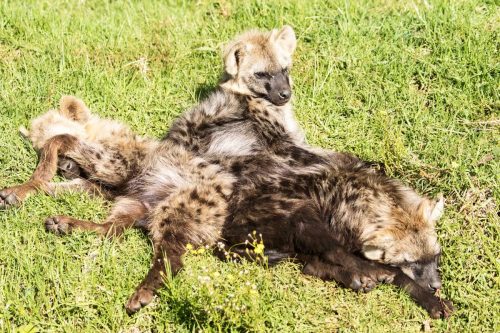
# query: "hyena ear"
[[232, 56], [432, 210], [73, 108], [285, 38]]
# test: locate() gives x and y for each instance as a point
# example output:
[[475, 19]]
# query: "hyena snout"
[[430, 278], [434, 286], [278, 89], [425, 274]]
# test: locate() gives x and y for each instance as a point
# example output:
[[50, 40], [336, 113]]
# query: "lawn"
[[412, 84]]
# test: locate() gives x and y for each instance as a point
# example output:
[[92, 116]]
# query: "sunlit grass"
[[413, 84]]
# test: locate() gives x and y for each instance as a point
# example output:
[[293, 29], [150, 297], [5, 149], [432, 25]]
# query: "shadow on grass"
[[204, 90]]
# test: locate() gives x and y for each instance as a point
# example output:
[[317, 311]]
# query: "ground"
[[412, 84]]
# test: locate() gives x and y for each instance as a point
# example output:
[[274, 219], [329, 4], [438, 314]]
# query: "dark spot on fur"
[[175, 141], [194, 195], [236, 168], [203, 126], [218, 189]]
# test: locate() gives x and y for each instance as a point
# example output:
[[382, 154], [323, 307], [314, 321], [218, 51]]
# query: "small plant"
[[220, 294]]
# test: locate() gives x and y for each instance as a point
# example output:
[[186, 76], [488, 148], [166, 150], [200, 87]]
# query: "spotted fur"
[[237, 162]]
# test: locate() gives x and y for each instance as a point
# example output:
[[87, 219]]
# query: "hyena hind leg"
[[164, 254], [123, 215], [193, 215]]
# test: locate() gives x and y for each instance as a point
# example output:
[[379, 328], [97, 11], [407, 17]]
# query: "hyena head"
[[257, 64], [410, 242], [68, 119]]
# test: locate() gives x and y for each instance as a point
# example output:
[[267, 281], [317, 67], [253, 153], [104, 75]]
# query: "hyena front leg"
[[363, 274], [80, 185], [435, 306], [311, 236], [346, 269], [44, 172], [123, 215], [358, 273]]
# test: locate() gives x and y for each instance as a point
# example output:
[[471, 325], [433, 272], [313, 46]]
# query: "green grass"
[[413, 84]]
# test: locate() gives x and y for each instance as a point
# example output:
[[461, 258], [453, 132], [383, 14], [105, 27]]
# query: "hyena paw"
[[8, 198], [367, 278], [439, 308], [138, 300], [58, 225], [68, 168], [362, 283]]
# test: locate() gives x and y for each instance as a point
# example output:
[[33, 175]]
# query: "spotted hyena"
[[238, 161]]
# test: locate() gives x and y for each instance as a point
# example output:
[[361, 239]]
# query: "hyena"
[[97, 155], [326, 214], [185, 187]]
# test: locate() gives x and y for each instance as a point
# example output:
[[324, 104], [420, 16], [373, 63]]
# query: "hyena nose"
[[285, 94], [434, 286]]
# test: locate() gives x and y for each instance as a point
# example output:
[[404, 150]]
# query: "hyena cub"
[[174, 192], [99, 156], [328, 212]]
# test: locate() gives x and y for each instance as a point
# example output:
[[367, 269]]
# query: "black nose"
[[435, 286], [285, 94]]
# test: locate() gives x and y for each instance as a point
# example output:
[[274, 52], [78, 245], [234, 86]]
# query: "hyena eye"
[[261, 75]]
